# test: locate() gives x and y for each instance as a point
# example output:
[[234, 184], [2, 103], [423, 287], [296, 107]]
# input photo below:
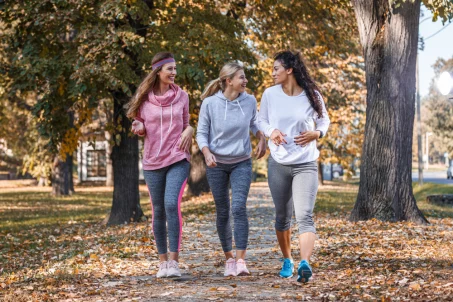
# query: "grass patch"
[[429, 209], [30, 209]]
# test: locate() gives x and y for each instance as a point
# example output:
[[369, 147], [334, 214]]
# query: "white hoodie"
[[291, 115]]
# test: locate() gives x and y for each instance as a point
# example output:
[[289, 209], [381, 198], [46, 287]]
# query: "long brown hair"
[[150, 81], [227, 72], [294, 60]]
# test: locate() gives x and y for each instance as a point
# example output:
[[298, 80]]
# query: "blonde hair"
[[150, 81], [227, 72]]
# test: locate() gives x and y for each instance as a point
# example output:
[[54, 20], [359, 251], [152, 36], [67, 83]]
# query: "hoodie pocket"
[[229, 147]]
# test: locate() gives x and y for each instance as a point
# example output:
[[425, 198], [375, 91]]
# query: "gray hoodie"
[[224, 126]]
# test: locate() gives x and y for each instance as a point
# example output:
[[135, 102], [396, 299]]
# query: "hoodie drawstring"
[[171, 117], [161, 122], [161, 135], [240, 107], [226, 107]]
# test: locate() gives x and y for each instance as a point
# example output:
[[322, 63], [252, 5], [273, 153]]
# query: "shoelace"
[[162, 265], [286, 264], [230, 265], [173, 264]]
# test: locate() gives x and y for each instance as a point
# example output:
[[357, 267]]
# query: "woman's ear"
[[228, 81], [289, 71]]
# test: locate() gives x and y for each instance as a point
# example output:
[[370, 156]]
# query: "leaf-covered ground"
[[58, 249]]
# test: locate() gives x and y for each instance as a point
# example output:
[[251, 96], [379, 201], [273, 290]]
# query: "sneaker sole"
[[174, 275], [286, 277], [304, 274]]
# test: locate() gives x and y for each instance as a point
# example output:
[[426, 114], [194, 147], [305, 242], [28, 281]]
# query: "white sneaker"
[[241, 268], [230, 268], [162, 273], [173, 269]]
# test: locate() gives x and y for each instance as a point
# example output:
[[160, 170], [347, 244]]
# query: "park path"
[[202, 263]]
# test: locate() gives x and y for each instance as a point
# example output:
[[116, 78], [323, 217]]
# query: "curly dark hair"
[[290, 59]]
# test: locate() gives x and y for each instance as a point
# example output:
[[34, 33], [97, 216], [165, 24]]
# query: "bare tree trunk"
[[61, 177], [126, 198], [320, 176], [70, 163], [389, 39], [198, 182]]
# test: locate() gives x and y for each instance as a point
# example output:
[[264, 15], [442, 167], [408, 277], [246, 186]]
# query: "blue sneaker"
[[287, 268], [304, 271]]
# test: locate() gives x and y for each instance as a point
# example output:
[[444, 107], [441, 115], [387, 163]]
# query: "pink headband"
[[162, 62]]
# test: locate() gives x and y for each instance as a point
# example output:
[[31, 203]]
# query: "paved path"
[[438, 177]]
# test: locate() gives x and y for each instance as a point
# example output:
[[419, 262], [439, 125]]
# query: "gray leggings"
[[240, 177], [166, 187], [299, 181]]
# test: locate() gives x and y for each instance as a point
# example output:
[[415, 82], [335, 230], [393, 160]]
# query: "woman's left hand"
[[306, 137], [186, 139], [261, 147]]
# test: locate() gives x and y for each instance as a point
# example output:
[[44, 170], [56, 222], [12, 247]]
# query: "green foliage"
[[77, 52]]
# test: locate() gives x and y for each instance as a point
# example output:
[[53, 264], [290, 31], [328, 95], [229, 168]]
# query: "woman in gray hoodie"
[[226, 117]]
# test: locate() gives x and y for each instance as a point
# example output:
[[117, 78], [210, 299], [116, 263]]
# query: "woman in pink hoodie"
[[160, 110]]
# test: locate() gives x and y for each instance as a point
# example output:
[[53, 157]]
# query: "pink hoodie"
[[165, 117]]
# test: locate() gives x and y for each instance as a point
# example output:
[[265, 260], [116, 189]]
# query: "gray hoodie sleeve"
[[204, 124], [254, 120]]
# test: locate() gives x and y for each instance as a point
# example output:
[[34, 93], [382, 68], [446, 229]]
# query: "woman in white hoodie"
[[227, 116], [293, 115]]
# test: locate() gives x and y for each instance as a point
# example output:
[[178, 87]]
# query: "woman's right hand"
[[209, 158], [138, 128], [278, 137]]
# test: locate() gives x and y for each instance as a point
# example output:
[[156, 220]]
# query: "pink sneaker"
[[230, 268], [241, 268]]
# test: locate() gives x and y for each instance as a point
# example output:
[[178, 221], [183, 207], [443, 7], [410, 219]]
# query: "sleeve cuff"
[[137, 118], [269, 132]]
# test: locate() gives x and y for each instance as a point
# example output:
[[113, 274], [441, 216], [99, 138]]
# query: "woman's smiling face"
[[239, 81], [168, 73]]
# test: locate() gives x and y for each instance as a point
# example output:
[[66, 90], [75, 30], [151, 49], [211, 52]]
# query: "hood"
[[169, 98], [242, 96]]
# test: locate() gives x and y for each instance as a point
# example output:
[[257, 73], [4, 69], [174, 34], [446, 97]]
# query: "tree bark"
[[320, 176], [197, 182], [109, 167], [389, 38], [61, 177], [126, 197]]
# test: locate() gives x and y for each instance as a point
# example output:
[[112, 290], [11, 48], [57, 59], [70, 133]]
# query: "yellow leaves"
[[70, 142], [94, 257], [415, 286]]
